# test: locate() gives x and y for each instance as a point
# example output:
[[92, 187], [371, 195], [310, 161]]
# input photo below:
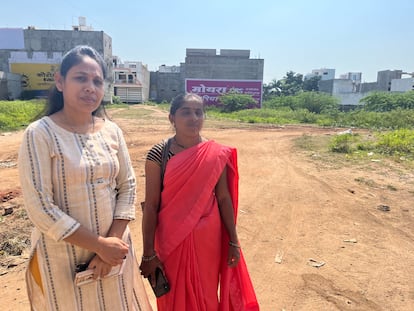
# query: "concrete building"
[[205, 64], [353, 76], [35, 54], [228, 64], [10, 85], [346, 90], [402, 85], [323, 73], [131, 82], [169, 69], [335, 86], [385, 77], [166, 83], [350, 90]]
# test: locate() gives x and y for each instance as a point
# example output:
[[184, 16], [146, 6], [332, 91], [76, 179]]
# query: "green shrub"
[[393, 143], [386, 101], [343, 143], [312, 101], [18, 114], [398, 142], [234, 102], [116, 100]]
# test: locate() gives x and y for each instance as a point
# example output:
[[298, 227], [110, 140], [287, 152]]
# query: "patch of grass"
[[312, 143], [15, 115], [116, 106], [397, 145], [344, 143], [128, 113], [356, 149], [399, 142], [13, 245]]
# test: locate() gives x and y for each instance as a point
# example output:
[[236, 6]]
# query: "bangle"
[[234, 244], [149, 258]]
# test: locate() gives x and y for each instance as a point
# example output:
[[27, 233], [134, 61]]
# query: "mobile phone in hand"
[[84, 276], [161, 283]]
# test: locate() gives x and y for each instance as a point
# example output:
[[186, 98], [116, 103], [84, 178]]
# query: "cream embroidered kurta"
[[67, 180]]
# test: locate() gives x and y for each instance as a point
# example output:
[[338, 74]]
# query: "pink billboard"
[[210, 90]]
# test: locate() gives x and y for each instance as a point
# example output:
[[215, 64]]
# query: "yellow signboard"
[[35, 76]]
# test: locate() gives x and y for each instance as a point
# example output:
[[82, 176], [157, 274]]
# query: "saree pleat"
[[189, 236]]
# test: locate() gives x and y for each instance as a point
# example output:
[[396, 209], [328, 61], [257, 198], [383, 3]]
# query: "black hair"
[[72, 58], [179, 100]]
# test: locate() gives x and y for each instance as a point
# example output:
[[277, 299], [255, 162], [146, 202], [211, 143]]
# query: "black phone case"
[[161, 285]]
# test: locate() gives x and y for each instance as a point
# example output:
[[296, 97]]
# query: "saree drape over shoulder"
[[189, 237]]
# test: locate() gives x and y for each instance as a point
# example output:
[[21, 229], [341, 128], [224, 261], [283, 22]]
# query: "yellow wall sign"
[[35, 76]]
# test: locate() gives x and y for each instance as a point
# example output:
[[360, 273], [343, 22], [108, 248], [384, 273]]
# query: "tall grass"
[[396, 119], [15, 115], [388, 143], [399, 142], [395, 129]]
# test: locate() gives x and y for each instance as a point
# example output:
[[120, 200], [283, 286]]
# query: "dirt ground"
[[317, 233]]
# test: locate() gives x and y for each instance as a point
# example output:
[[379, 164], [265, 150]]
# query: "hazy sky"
[[300, 35]]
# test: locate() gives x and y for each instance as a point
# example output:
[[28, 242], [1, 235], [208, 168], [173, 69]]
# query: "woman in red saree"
[[189, 220]]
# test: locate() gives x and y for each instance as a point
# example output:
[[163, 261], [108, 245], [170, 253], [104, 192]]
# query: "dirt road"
[[317, 233]]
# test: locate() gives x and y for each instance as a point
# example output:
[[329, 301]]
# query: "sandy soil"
[[318, 233]]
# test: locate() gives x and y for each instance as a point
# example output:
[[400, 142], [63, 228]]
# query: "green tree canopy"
[[311, 84], [291, 84]]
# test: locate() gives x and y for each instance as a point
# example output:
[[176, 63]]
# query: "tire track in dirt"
[[342, 299], [295, 198]]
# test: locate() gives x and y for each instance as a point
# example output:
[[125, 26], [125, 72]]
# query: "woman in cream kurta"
[[79, 189], [70, 179]]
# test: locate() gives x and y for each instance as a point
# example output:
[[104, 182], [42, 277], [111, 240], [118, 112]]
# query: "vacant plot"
[[318, 232]]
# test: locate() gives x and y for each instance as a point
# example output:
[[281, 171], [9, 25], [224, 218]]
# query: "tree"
[[272, 89], [291, 84], [311, 84]]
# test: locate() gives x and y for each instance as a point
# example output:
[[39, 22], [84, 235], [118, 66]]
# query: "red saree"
[[189, 237]]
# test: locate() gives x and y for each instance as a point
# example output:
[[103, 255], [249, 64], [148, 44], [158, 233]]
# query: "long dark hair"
[[72, 58]]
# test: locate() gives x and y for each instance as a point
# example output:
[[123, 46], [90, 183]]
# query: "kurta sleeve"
[[35, 170], [126, 183]]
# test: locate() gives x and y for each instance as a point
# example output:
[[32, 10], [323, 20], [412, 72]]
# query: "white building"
[[324, 73], [82, 25], [356, 77], [168, 69], [131, 81]]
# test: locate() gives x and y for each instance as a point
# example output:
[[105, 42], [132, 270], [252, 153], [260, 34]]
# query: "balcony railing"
[[125, 81]]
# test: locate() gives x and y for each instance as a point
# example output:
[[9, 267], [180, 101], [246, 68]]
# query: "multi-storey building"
[[323, 73], [230, 69], [131, 82], [35, 54]]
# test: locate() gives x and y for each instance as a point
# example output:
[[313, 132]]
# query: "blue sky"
[[299, 35]]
